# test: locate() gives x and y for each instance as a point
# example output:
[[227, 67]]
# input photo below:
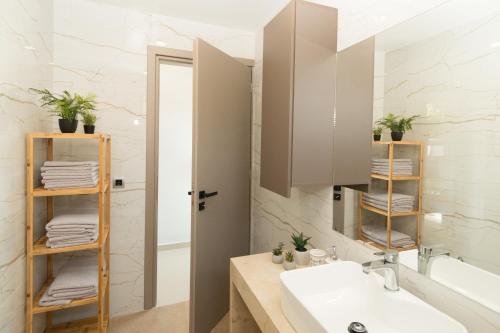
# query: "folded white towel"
[[77, 279], [70, 164], [55, 170], [72, 229], [378, 234], [63, 185]]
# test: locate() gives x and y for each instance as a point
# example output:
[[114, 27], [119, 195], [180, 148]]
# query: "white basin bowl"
[[328, 298]]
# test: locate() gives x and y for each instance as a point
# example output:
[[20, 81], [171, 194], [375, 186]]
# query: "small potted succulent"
[[289, 262], [300, 242], [377, 133], [397, 125], [89, 120], [278, 254], [86, 106]]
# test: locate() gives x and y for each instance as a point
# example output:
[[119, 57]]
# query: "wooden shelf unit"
[[389, 214], [99, 323]]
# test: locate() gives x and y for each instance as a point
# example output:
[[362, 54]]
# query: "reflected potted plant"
[[289, 262], [89, 120], [397, 125], [300, 242], [87, 107], [377, 133], [278, 254]]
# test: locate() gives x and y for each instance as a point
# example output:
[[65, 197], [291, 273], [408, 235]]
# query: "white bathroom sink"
[[329, 298]]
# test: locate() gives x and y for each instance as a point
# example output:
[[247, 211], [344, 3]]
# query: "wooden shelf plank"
[[412, 143], [385, 213], [40, 249], [42, 192], [384, 177], [87, 325], [42, 135]]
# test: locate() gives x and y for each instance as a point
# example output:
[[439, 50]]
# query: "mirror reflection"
[[437, 89]]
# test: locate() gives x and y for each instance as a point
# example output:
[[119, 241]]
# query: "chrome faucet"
[[390, 266], [425, 253]]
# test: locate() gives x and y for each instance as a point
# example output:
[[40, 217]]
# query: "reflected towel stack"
[[77, 279], [400, 167], [378, 234], [64, 174], [72, 229], [400, 202]]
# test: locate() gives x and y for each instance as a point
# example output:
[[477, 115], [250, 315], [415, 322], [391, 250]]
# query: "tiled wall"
[[25, 53], [452, 81]]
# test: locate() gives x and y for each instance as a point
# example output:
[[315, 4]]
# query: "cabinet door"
[[354, 114], [298, 97], [277, 94], [314, 94]]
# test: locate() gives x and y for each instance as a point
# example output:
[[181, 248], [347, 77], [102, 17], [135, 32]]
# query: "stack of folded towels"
[[400, 166], [77, 279], [400, 202], [72, 229], [64, 174], [378, 234]]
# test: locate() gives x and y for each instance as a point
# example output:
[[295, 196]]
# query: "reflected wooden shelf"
[[409, 143], [42, 192], [383, 247], [40, 249], [384, 177], [386, 213], [87, 325], [42, 135]]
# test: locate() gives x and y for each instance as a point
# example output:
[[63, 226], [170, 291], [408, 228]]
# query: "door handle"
[[204, 194]]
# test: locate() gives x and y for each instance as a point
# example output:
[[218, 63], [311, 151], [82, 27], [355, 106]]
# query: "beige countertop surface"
[[257, 280]]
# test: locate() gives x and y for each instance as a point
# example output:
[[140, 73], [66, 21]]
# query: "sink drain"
[[356, 327]]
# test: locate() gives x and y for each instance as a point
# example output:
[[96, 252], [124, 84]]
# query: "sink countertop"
[[257, 280]]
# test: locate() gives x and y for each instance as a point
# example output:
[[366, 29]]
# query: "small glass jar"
[[317, 257]]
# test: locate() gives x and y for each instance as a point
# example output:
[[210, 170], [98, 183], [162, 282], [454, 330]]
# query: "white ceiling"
[[247, 15]]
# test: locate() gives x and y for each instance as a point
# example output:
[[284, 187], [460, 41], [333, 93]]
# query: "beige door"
[[221, 168]]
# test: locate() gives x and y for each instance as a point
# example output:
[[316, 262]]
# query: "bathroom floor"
[[166, 319], [173, 288]]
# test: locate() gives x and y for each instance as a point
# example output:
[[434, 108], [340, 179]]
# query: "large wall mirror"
[[444, 67]]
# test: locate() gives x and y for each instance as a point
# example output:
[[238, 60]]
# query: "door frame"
[[155, 55]]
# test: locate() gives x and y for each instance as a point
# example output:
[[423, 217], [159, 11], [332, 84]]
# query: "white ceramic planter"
[[289, 265], [302, 258], [277, 259]]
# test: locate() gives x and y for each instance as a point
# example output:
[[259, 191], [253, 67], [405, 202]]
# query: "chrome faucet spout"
[[390, 266]]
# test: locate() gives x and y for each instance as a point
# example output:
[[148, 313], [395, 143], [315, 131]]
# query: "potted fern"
[[64, 106], [377, 133], [289, 262], [300, 242], [278, 254], [397, 125]]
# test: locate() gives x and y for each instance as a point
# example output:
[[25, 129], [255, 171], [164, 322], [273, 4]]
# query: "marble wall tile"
[[451, 81], [25, 53]]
